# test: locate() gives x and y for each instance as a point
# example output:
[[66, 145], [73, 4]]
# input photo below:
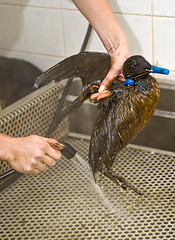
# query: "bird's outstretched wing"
[[88, 66]]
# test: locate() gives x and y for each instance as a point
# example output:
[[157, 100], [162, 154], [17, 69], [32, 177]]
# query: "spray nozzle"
[[66, 149]]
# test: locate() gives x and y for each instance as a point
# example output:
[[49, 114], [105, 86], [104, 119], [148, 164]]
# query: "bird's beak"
[[155, 69], [148, 70]]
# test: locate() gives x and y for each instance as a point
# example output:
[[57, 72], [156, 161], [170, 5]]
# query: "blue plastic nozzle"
[[129, 82], [160, 70]]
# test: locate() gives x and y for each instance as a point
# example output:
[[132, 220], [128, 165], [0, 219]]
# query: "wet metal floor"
[[62, 203]]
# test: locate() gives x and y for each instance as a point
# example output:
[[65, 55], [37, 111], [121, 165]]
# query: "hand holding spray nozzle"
[[65, 148]]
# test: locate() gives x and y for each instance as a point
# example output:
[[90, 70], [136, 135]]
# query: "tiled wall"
[[46, 31]]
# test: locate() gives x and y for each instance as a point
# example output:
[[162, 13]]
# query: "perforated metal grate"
[[64, 203]]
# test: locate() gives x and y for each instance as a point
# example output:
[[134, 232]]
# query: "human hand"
[[118, 58], [32, 154], [104, 22]]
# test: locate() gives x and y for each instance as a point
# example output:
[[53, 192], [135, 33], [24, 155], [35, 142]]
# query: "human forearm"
[[5, 142], [101, 17]]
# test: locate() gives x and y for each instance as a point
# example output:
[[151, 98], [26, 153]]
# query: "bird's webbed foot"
[[122, 182]]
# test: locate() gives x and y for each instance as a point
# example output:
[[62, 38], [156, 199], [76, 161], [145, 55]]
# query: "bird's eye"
[[134, 65]]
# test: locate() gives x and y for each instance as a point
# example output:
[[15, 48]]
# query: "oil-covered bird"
[[123, 115]]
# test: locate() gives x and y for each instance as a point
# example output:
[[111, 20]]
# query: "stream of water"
[[87, 172]]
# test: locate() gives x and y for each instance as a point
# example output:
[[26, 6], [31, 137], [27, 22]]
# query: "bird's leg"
[[122, 182]]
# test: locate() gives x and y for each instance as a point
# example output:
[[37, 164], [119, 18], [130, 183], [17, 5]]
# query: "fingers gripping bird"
[[123, 114]]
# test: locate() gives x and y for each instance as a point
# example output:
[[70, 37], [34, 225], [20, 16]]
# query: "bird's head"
[[137, 68]]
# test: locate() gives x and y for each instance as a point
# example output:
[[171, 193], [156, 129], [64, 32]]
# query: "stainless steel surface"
[[63, 203]]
